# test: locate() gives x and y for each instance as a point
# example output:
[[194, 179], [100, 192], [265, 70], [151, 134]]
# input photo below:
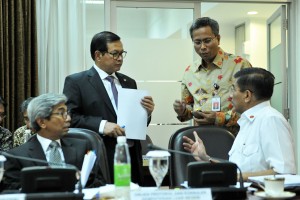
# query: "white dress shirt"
[[45, 142], [265, 141], [107, 86]]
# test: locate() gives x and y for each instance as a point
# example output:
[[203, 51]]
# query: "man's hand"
[[113, 130], [196, 147], [205, 117], [148, 104], [179, 107]]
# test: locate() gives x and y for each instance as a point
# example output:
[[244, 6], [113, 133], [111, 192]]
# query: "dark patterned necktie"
[[55, 157], [113, 88]]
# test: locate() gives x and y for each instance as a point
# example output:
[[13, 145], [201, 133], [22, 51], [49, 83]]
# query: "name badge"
[[216, 103]]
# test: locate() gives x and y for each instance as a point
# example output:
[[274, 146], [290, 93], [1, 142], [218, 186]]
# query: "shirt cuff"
[[101, 127]]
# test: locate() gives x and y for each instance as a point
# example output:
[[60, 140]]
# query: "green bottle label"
[[122, 174]]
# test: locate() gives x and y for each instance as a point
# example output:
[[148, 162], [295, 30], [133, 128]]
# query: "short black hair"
[[257, 80], [100, 40], [205, 21]]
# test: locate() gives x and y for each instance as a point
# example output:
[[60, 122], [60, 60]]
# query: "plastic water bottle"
[[122, 169]]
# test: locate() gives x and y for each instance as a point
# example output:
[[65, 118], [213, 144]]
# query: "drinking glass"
[[158, 165], [2, 160]]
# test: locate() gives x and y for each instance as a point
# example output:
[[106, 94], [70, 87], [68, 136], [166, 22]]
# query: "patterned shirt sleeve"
[[6, 139]]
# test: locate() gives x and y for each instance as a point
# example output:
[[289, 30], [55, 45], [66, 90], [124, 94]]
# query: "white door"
[[277, 62]]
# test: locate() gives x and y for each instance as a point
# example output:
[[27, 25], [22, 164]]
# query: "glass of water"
[[2, 160], [158, 165]]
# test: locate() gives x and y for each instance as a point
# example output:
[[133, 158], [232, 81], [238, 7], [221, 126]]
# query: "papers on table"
[[246, 184], [131, 114], [290, 180], [87, 166]]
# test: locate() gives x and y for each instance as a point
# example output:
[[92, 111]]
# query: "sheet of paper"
[[131, 114], [87, 166], [12, 196]]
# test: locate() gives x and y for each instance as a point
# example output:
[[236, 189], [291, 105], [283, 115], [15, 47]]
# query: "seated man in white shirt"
[[264, 144]]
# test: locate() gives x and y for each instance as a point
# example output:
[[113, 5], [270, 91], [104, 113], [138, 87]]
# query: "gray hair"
[[41, 107], [24, 105]]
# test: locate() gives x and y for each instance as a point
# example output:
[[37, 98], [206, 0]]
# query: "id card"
[[216, 103]]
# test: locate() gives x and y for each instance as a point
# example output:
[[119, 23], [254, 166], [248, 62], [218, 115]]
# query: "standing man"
[[92, 98], [206, 83]]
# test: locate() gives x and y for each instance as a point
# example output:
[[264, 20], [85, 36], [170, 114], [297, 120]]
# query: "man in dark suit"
[[92, 103], [49, 118]]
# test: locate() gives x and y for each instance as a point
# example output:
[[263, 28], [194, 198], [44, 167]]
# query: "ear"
[[248, 96], [218, 38], [98, 55], [41, 123]]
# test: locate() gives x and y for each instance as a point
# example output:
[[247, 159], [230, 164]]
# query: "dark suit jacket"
[[89, 103], [73, 150]]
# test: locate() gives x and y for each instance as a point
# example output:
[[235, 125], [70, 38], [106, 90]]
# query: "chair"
[[96, 143], [217, 141]]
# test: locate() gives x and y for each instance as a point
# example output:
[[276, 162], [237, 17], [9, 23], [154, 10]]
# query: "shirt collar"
[[251, 113], [45, 142], [103, 74], [218, 61]]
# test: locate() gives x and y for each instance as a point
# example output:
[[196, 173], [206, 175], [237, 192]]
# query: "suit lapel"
[[69, 151], [97, 83], [36, 151]]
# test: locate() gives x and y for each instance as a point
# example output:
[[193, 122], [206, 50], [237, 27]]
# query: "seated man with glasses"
[[206, 82], [50, 120], [22, 134], [93, 98], [6, 137]]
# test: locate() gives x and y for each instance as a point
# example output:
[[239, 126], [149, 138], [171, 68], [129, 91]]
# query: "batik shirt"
[[19, 136], [198, 87], [6, 139]]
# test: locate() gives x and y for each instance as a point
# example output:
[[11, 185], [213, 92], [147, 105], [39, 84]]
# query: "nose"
[[68, 119]]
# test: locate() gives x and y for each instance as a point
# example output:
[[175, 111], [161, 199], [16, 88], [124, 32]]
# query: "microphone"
[[46, 162], [154, 147]]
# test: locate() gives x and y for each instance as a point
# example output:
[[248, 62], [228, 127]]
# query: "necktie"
[[113, 88], [55, 157]]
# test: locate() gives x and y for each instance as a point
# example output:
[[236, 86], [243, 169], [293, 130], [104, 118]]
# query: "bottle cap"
[[121, 139]]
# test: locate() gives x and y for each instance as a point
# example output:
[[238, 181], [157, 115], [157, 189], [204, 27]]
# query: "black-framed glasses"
[[205, 41], [2, 115], [63, 114], [116, 54]]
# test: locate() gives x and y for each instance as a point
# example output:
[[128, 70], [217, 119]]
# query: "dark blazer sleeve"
[[79, 95]]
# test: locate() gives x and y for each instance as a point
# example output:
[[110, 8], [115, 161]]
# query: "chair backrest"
[[217, 141], [97, 144]]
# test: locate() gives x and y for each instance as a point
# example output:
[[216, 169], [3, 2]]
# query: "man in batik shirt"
[[6, 137], [206, 83]]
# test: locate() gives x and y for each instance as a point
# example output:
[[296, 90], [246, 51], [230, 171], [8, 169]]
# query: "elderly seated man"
[[264, 144], [50, 120]]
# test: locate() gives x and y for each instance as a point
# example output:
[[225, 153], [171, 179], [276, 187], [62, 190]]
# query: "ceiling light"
[[252, 12], [94, 2]]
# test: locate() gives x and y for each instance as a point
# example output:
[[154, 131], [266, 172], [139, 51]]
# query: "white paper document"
[[131, 114], [289, 180], [87, 166]]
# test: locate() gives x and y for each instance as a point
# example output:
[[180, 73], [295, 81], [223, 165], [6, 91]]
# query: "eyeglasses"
[[205, 41], [63, 114], [116, 54], [2, 115]]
